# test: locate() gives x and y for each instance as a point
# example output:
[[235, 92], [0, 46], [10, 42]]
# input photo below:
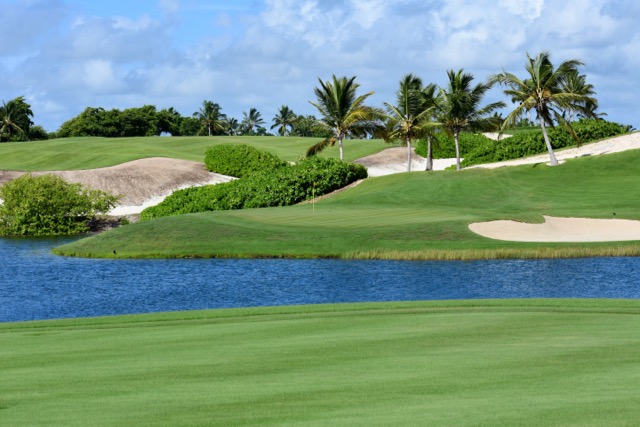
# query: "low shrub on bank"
[[48, 205], [283, 186], [239, 160], [444, 146], [532, 142]]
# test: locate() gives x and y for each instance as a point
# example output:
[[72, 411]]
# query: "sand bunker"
[[394, 160], [142, 183], [560, 230]]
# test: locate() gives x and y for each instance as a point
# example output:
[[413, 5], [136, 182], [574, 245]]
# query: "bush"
[[48, 205], [444, 146], [478, 149], [239, 160], [278, 187]]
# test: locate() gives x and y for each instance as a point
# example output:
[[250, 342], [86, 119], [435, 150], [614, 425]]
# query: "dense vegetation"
[[401, 216], [479, 149], [240, 160], [47, 205], [283, 186]]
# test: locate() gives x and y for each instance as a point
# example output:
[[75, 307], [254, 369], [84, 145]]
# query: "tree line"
[[557, 95]]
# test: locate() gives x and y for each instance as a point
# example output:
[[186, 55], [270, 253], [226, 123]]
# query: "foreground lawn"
[[92, 152], [481, 363], [405, 216]]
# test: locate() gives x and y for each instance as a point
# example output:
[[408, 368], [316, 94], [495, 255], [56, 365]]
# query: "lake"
[[37, 285]]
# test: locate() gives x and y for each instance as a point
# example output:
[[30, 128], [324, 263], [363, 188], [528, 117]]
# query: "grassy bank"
[[92, 152], [406, 216], [484, 363]]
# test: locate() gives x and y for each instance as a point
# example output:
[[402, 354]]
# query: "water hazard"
[[37, 285]]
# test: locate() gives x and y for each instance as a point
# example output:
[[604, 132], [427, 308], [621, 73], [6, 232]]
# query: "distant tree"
[[544, 92], [409, 118], [252, 123], [576, 83], [189, 126], [211, 117], [284, 120], [343, 113], [459, 107], [232, 127], [38, 133], [15, 119], [168, 121], [429, 96], [141, 121]]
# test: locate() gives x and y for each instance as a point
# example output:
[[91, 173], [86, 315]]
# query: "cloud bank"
[[67, 55]]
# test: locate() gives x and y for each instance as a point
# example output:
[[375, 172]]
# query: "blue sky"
[[66, 55]]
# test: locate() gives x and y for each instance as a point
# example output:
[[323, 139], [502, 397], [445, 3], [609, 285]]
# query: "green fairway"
[[90, 152], [481, 363], [409, 216]]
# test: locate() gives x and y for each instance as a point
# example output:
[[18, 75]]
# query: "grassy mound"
[[406, 216], [483, 363]]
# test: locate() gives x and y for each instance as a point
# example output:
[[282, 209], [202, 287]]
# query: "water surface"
[[37, 285]]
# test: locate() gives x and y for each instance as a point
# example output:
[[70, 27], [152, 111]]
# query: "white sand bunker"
[[560, 230]]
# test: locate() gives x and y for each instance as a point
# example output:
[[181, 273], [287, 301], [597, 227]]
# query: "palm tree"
[[460, 110], [284, 120], [232, 126], [343, 112], [429, 94], [252, 122], [409, 117], [15, 117], [576, 83], [543, 92], [211, 117]]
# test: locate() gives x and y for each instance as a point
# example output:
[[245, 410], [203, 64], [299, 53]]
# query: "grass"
[[92, 152], [405, 216], [481, 363]]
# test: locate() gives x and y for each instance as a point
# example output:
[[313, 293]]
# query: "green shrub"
[[278, 187], [48, 205], [239, 160], [444, 146], [527, 143]]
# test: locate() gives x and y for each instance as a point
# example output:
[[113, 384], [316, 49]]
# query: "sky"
[[66, 55]]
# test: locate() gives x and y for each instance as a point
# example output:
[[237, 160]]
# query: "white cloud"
[[100, 76], [247, 53]]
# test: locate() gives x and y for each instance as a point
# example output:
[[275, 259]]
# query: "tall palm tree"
[[284, 120], [211, 117], [342, 112], [543, 92], [252, 122], [409, 117], [429, 94], [460, 110]]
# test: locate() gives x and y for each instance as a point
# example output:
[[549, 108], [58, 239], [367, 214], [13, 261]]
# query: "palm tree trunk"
[[340, 146], [552, 156], [408, 154], [429, 155], [455, 137]]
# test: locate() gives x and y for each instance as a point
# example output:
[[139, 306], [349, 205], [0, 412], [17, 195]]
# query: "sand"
[[560, 230], [141, 183], [394, 160]]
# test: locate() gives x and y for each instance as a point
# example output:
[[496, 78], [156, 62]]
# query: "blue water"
[[37, 285]]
